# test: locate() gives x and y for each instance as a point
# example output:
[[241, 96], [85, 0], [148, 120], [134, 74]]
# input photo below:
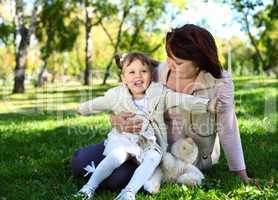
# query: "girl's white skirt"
[[129, 143]]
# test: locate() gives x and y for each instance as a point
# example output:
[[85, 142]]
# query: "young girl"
[[148, 100]]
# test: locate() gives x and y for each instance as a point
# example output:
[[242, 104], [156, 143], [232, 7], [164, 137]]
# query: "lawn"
[[39, 131]]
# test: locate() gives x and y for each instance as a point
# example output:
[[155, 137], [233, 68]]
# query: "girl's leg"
[[144, 171], [105, 168]]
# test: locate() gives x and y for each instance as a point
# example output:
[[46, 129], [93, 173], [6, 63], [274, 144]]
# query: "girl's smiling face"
[[137, 77]]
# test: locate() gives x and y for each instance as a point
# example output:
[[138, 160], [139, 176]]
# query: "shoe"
[[86, 192], [125, 194]]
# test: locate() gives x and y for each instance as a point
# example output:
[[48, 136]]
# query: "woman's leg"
[[85, 155]]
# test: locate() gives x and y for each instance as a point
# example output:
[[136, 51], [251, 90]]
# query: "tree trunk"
[[21, 56], [19, 81], [21, 51], [42, 70], [108, 70], [253, 42], [89, 47]]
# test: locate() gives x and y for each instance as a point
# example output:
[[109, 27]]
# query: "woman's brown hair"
[[191, 42]]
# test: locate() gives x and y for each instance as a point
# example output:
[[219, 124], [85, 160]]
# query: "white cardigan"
[[159, 97]]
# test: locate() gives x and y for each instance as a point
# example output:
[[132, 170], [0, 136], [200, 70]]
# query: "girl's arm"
[[100, 104]]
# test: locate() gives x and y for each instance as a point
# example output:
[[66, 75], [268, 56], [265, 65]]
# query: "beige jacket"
[[205, 128], [159, 99]]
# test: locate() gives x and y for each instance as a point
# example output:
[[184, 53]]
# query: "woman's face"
[[182, 68]]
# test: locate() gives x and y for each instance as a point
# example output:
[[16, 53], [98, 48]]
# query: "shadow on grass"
[[34, 92], [36, 114], [35, 165]]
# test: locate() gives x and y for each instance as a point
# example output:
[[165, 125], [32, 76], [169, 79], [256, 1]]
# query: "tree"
[[101, 10], [267, 21], [239, 53], [136, 18], [7, 31], [24, 29], [126, 9], [56, 30], [264, 19], [95, 11], [143, 19], [89, 46]]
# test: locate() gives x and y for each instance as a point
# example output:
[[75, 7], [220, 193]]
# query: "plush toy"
[[177, 167]]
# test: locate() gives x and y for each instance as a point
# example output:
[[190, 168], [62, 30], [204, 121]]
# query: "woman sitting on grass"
[[192, 68], [148, 100]]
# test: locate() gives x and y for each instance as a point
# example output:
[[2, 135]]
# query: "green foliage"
[[267, 21], [60, 34], [6, 30], [141, 26], [104, 9], [6, 62], [39, 132], [241, 55], [56, 28], [179, 3], [243, 5], [263, 17]]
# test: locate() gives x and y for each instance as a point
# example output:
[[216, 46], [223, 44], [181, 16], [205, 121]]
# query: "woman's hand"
[[216, 105], [244, 177], [123, 122], [259, 183]]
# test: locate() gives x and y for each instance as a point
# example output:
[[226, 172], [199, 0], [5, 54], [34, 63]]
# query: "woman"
[[192, 67]]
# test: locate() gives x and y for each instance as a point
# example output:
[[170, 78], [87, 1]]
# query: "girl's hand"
[[216, 105], [123, 122]]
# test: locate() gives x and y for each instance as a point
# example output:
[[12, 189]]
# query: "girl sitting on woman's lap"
[[148, 100]]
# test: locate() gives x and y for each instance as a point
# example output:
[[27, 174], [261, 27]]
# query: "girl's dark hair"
[[191, 42], [126, 59]]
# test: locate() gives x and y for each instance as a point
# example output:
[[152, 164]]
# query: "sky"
[[218, 18]]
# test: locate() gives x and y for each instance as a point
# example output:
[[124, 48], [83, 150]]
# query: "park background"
[[55, 54]]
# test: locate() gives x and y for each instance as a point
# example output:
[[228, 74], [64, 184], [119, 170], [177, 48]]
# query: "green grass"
[[39, 131]]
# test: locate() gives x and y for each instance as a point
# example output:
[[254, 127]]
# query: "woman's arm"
[[228, 129], [123, 122], [190, 103], [230, 140]]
